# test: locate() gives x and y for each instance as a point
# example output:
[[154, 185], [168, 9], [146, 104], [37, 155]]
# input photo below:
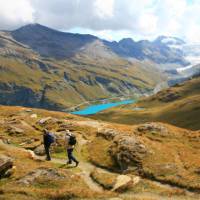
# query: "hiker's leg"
[[69, 154], [47, 152], [73, 158]]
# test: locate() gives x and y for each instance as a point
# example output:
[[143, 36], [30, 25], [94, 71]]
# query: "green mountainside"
[[38, 75]]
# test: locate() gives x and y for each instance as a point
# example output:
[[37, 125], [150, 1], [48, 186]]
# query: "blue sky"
[[108, 19]]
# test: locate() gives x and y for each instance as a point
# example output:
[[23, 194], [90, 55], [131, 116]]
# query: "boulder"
[[6, 164], [154, 128], [128, 151], [123, 182], [31, 178], [40, 151], [113, 181], [104, 178], [107, 134]]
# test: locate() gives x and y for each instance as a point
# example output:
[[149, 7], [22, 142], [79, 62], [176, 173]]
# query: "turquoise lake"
[[91, 110]]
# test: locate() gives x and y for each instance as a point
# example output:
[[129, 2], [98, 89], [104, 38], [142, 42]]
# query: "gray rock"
[[40, 151], [31, 177], [44, 120], [123, 182], [13, 130], [154, 128], [128, 151], [6, 163], [107, 134]]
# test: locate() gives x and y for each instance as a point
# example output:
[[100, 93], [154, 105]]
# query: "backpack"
[[51, 138], [72, 140]]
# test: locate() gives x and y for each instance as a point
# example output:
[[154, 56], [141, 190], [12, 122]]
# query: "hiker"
[[48, 139], [70, 142]]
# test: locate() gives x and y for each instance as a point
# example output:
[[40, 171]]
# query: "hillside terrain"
[[41, 67], [178, 105], [127, 162]]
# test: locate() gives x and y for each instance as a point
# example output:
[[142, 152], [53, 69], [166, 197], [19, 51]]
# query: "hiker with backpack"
[[70, 142], [48, 139]]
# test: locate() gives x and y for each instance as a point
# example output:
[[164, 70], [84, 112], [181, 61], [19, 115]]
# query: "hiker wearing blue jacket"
[[48, 139]]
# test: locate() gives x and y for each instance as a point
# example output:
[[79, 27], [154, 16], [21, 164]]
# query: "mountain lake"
[[93, 109]]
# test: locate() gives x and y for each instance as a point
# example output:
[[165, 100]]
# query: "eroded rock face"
[[6, 164], [128, 151], [31, 177]]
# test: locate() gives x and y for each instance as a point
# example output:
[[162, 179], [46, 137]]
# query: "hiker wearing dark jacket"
[[48, 139], [70, 141]]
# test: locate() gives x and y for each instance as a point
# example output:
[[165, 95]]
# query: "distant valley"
[[44, 68]]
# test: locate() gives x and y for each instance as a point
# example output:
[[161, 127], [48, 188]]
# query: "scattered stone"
[[28, 110], [44, 120], [33, 145], [31, 178], [6, 141], [123, 183], [12, 130], [6, 164], [34, 116]]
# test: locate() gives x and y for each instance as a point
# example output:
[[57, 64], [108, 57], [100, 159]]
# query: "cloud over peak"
[[110, 18]]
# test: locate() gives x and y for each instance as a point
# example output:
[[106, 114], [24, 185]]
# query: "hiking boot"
[[69, 163], [48, 159], [77, 164]]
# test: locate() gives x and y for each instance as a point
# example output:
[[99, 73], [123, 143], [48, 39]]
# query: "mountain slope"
[[52, 43], [178, 105], [155, 51], [37, 75], [49, 42]]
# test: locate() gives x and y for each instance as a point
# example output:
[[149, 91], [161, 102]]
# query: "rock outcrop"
[[128, 151], [113, 181], [6, 164], [32, 177]]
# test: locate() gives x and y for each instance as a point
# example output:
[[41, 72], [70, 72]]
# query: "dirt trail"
[[86, 169]]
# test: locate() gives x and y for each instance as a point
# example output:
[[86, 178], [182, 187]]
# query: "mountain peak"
[[126, 40], [34, 27]]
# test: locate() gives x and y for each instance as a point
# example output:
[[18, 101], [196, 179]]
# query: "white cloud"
[[15, 13], [141, 19], [104, 9], [147, 23]]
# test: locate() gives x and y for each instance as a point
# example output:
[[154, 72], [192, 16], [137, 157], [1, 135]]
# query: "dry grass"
[[183, 112]]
